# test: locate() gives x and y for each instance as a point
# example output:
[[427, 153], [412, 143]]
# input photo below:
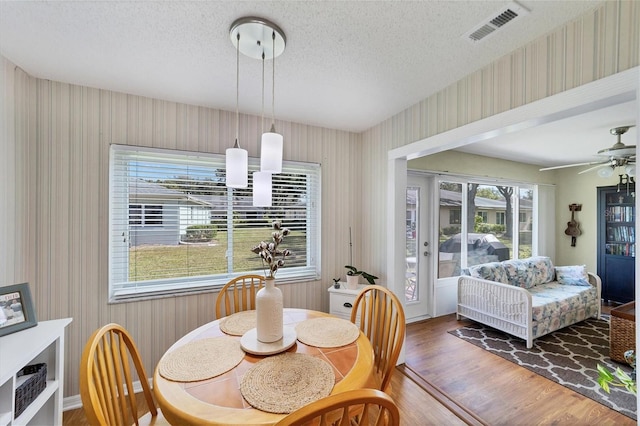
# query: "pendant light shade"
[[271, 147], [261, 189], [271, 152], [237, 160]]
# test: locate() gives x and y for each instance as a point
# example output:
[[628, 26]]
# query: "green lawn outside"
[[158, 262]]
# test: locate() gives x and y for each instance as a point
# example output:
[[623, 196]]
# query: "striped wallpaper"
[[54, 173]]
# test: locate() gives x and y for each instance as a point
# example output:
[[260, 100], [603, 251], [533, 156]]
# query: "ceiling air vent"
[[497, 20]]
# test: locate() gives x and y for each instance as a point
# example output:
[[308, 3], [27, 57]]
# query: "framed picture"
[[16, 309]]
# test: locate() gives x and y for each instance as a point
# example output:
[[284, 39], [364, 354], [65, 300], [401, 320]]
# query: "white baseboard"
[[71, 402], [74, 402]]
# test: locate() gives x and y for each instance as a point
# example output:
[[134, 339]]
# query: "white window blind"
[[175, 227]]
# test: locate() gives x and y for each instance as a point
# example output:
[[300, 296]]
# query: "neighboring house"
[[161, 216], [491, 211], [153, 213]]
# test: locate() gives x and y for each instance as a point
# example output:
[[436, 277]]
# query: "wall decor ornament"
[[573, 227]]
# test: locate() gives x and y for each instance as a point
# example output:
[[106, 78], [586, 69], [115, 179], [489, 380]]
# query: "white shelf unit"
[[42, 343]]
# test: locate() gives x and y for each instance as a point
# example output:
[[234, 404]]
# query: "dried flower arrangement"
[[269, 252]]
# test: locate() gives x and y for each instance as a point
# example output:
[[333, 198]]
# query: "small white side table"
[[341, 300]]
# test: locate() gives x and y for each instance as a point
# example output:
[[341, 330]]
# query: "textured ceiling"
[[347, 65]]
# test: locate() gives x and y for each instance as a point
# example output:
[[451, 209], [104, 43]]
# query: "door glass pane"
[[525, 224], [411, 273], [450, 226]]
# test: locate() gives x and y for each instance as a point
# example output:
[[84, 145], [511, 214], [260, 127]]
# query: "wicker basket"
[[31, 388], [622, 331]]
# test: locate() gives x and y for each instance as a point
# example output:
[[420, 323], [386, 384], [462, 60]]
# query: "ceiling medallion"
[[257, 37]]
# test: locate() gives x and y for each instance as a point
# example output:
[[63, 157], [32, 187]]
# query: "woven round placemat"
[[327, 332], [283, 383], [239, 323], [201, 359]]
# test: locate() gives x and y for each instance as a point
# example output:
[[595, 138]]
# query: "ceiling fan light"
[[630, 169], [271, 152], [237, 165], [605, 172], [261, 189]]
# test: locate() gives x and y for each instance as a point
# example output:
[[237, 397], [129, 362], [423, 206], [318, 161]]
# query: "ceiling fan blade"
[[574, 165], [594, 167]]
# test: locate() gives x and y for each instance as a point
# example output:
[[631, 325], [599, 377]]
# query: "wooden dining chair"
[[238, 295], [375, 408], [106, 380], [380, 316]]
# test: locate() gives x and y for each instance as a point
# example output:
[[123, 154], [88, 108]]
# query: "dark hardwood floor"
[[493, 390], [467, 385]]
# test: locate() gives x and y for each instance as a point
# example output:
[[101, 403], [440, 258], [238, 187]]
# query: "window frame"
[[122, 289]]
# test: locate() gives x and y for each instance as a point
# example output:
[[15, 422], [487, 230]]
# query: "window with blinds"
[[175, 227]]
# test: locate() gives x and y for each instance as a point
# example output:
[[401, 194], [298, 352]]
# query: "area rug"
[[568, 356]]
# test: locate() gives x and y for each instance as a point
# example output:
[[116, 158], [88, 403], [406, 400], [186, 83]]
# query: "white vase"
[[352, 281], [269, 308]]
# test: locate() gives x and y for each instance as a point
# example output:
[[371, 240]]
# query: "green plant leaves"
[[618, 378]]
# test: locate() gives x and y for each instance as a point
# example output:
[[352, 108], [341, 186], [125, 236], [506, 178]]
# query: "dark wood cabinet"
[[616, 242]]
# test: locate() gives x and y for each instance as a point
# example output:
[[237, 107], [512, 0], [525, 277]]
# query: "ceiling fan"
[[618, 155]]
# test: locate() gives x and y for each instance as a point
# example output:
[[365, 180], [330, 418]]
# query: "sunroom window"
[[487, 222], [176, 228]]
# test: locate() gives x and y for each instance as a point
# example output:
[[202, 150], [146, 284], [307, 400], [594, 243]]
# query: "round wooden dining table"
[[219, 401]]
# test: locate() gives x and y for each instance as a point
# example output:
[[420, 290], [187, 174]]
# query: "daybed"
[[528, 298]]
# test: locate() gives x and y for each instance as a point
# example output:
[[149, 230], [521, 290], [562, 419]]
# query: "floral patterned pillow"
[[493, 271], [517, 273], [572, 275], [542, 268]]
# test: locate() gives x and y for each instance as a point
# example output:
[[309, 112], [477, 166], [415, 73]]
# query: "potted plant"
[[336, 282], [353, 276]]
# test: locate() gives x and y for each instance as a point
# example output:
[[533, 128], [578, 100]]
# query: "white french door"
[[419, 248]]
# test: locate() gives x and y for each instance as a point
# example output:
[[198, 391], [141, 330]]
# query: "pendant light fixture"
[[262, 39], [271, 147], [261, 36], [236, 158]]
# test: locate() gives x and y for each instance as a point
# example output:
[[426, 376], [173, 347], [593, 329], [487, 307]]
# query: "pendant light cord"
[[273, 83], [237, 145], [262, 119]]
